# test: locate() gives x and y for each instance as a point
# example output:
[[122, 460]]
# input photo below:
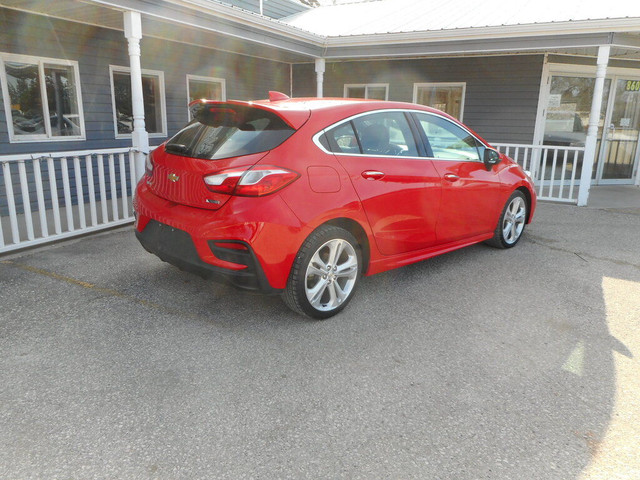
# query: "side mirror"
[[491, 158]]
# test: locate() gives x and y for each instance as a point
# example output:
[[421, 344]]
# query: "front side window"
[[374, 91], [447, 97], [447, 140], [42, 99], [152, 97]]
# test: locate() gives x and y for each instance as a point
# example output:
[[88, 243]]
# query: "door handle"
[[372, 175], [451, 177]]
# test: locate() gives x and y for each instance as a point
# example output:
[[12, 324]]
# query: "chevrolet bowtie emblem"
[[173, 177]]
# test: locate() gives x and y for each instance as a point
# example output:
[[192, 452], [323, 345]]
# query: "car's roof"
[[296, 111]]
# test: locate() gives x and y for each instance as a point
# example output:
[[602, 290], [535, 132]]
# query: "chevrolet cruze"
[[301, 197]]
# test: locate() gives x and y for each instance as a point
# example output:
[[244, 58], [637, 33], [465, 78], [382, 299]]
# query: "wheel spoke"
[[317, 262], [515, 205], [315, 270], [340, 293], [315, 294], [333, 296], [335, 250], [348, 268], [506, 230]]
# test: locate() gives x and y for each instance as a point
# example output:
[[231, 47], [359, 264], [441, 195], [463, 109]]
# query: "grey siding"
[[501, 92], [95, 49]]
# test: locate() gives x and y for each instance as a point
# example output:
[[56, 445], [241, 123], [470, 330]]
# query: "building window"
[[41, 98], [376, 91], [152, 96], [447, 97], [205, 87]]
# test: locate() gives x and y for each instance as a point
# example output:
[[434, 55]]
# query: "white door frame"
[[613, 73], [607, 121]]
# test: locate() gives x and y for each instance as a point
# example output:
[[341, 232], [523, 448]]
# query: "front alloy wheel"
[[513, 220], [325, 273], [511, 223]]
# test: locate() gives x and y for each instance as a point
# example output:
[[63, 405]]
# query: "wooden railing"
[[51, 196], [555, 170]]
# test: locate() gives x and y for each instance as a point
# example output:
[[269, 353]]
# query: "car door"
[[471, 194], [399, 189]]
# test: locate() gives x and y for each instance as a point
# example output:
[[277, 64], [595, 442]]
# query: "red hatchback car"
[[302, 197]]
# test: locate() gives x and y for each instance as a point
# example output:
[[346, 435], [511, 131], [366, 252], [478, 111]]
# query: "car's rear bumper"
[[176, 247], [249, 244]]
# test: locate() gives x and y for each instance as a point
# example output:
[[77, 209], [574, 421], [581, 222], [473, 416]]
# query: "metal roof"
[[404, 16]]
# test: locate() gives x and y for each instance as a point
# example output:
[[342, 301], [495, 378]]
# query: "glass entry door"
[[617, 160]]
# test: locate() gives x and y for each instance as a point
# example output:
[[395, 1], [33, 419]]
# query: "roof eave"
[[625, 25]]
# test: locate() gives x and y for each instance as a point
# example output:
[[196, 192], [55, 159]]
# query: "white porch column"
[[592, 134], [140, 137], [320, 67]]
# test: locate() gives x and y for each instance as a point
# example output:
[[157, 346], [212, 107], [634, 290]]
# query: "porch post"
[[139, 137], [592, 134], [320, 67]]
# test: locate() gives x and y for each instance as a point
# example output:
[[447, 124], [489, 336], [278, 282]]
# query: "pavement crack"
[[582, 255], [109, 292]]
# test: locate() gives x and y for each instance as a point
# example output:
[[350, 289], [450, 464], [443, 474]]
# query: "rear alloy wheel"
[[325, 273], [512, 222]]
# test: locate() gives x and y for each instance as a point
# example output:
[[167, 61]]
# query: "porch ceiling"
[[218, 27], [211, 24]]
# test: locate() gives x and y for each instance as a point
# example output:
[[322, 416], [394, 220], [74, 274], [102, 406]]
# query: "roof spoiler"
[[276, 96]]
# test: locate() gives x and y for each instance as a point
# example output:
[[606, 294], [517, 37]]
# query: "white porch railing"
[[555, 170], [50, 196]]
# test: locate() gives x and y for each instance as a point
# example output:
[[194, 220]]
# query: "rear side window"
[[223, 130], [385, 133], [342, 139], [381, 133]]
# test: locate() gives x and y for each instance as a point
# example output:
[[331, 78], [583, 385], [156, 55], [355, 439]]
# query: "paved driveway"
[[479, 364]]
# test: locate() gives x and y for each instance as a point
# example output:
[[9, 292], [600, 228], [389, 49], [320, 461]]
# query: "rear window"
[[222, 131]]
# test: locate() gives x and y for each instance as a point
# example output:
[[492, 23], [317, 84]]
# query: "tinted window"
[[222, 131], [447, 140], [385, 133]]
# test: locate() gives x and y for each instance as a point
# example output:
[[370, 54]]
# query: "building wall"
[[501, 98], [96, 48]]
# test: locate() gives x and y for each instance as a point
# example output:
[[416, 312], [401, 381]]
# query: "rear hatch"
[[222, 135]]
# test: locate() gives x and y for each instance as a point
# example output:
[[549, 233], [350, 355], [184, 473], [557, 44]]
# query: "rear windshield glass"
[[222, 131]]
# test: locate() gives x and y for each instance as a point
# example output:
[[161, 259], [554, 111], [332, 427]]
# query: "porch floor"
[[614, 197]]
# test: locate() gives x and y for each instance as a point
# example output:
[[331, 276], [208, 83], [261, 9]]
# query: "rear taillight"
[[250, 181]]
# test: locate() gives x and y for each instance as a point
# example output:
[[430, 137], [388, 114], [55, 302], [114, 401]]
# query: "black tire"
[[331, 286], [512, 221]]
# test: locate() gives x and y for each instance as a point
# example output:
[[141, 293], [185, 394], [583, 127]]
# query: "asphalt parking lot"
[[479, 364]]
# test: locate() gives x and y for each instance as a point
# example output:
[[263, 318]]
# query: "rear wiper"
[[176, 147]]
